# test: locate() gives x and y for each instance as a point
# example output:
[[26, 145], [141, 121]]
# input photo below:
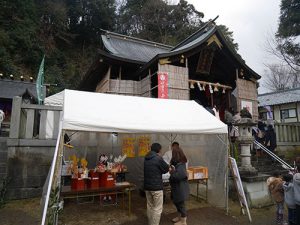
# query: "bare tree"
[[279, 48], [280, 77]]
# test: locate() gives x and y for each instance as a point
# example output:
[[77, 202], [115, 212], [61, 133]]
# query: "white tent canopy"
[[87, 111], [55, 100]]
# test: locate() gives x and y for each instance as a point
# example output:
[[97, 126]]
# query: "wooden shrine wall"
[[178, 78], [246, 94]]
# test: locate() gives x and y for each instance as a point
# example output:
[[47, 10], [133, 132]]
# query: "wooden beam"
[[42, 107]]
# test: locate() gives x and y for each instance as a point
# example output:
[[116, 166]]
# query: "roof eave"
[[118, 58], [138, 40], [223, 39], [169, 54], [275, 104], [106, 56], [237, 57]]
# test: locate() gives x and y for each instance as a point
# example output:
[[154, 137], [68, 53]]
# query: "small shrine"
[[203, 67]]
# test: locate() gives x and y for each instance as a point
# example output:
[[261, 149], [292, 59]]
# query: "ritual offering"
[[118, 166], [106, 179], [102, 163], [103, 175], [74, 166], [85, 171], [78, 173], [80, 184]]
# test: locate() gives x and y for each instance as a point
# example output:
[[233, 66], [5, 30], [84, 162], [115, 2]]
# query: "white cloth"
[[168, 156], [234, 132], [2, 116], [216, 113]]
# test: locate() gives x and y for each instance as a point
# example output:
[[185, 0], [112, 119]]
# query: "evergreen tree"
[[288, 33], [289, 20], [68, 32]]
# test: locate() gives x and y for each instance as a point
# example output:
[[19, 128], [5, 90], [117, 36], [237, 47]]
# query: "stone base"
[[248, 171], [256, 191]]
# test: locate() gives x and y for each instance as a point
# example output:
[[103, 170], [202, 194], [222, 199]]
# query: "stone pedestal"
[[256, 190], [245, 139]]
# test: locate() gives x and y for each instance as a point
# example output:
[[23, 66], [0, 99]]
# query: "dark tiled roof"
[[279, 97], [142, 53], [132, 48], [197, 39], [12, 88]]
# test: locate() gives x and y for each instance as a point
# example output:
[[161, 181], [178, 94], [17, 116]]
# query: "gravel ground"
[[28, 212]]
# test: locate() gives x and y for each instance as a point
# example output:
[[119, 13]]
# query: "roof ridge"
[[279, 91], [136, 39], [196, 32], [18, 81]]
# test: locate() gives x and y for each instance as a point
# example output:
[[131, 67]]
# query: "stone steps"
[[265, 164]]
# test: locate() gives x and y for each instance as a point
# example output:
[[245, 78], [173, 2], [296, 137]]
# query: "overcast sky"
[[251, 22]]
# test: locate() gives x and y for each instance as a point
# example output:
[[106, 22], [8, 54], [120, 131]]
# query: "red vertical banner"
[[162, 84]]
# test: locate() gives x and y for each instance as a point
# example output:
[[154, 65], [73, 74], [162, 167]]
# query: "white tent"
[[55, 100], [105, 113], [86, 111]]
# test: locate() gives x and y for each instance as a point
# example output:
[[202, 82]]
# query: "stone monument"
[[245, 140], [254, 183]]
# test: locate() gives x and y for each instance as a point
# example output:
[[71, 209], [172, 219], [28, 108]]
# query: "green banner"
[[40, 82]]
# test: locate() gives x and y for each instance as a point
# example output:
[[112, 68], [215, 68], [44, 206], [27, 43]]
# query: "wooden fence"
[[30, 121], [287, 133]]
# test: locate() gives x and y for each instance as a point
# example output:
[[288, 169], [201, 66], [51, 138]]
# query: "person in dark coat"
[[179, 184], [270, 138], [154, 167]]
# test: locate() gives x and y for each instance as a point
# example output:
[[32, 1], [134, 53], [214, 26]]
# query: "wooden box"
[[190, 174], [199, 172]]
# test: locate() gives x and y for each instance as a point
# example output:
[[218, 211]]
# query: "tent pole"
[[227, 186], [51, 176], [226, 171]]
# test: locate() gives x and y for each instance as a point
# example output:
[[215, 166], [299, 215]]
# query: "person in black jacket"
[[154, 167], [179, 185], [270, 138]]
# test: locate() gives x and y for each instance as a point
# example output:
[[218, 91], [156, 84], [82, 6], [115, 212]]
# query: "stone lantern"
[[246, 139]]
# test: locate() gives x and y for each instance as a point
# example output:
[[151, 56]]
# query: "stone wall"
[[3, 158], [28, 164]]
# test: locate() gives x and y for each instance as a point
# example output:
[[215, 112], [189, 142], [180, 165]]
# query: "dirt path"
[[27, 212]]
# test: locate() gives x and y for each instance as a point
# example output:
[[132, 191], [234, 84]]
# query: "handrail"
[[284, 164]]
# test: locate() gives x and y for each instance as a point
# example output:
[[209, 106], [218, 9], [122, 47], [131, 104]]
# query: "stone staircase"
[[265, 165]]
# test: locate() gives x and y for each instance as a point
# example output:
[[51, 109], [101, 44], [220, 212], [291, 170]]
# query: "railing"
[[30, 121], [287, 133], [284, 164]]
